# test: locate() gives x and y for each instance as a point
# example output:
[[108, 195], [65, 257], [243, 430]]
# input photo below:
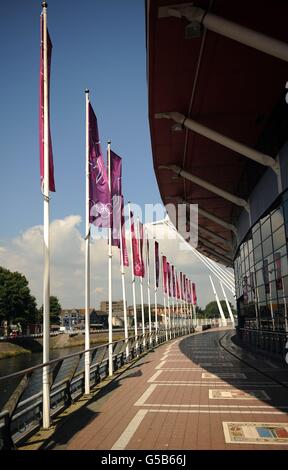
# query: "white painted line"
[[154, 377], [160, 365], [220, 411], [129, 432], [145, 395], [247, 407]]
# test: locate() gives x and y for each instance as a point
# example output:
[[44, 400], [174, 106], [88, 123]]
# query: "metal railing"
[[271, 341], [21, 416]]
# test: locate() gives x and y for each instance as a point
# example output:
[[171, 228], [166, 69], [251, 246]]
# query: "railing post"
[[8, 443]]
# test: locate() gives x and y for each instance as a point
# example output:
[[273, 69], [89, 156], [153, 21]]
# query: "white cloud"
[[25, 254]]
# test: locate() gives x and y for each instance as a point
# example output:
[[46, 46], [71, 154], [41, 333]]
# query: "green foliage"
[[211, 309], [55, 310], [17, 305]]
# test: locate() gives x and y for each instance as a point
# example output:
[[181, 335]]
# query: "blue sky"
[[97, 44]]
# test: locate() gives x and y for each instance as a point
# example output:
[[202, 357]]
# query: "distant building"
[[117, 306], [99, 318]]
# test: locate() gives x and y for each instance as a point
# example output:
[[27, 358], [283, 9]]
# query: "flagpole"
[[141, 283], [87, 258], [133, 284], [173, 314], [124, 291], [155, 295], [169, 314], [110, 336], [148, 288], [46, 279], [164, 299]]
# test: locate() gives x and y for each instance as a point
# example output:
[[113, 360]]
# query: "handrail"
[[67, 381]]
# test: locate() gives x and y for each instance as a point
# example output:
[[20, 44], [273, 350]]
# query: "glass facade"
[[261, 272]]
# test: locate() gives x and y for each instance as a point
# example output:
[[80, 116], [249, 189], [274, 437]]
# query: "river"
[[24, 361]]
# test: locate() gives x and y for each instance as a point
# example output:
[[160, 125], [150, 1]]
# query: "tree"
[[55, 310], [17, 305], [211, 309]]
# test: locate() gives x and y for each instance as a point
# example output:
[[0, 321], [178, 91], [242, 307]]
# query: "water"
[[18, 363]]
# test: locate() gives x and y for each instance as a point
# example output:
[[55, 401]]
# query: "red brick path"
[[163, 402]]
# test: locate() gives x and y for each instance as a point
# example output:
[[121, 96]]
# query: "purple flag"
[[169, 279], [124, 246], [173, 282], [116, 193], [164, 273], [41, 110], [141, 239], [99, 194], [137, 263], [157, 263], [194, 297]]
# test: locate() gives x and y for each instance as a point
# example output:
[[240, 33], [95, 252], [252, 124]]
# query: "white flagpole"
[[227, 303], [148, 288], [181, 307], [155, 294], [141, 284], [46, 278], [124, 292], [169, 314], [224, 322], [164, 300], [110, 333], [133, 283], [87, 258], [173, 312]]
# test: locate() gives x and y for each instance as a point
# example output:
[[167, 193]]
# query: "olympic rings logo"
[[104, 210]]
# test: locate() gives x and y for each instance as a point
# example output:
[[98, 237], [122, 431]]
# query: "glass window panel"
[[258, 253], [259, 277], [277, 219], [256, 238], [273, 293], [245, 250], [279, 238], [285, 284], [261, 294], [266, 228], [251, 260], [271, 269], [267, 247]]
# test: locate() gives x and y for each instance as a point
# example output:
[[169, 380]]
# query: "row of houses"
[[75, 318]]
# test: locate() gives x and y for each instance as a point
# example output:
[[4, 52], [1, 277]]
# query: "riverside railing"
[[21, 416]]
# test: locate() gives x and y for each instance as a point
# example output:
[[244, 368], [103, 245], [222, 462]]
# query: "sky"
[[100, 45]]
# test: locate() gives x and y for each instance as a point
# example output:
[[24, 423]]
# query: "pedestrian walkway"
[[191, 393]]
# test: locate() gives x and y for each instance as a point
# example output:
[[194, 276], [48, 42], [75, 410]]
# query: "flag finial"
[[44, 4], [86, 90], [109, 142]]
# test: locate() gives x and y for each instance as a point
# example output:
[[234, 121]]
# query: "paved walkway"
[[188, 394]]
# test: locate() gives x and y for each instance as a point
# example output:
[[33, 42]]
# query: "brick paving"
[[163, 401]]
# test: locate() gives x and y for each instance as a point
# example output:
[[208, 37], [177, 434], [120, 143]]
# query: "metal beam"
[[217, 220], [221, 139], [209, 186], [229, 29], [212, 245], [218, 256], [208, 215]]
